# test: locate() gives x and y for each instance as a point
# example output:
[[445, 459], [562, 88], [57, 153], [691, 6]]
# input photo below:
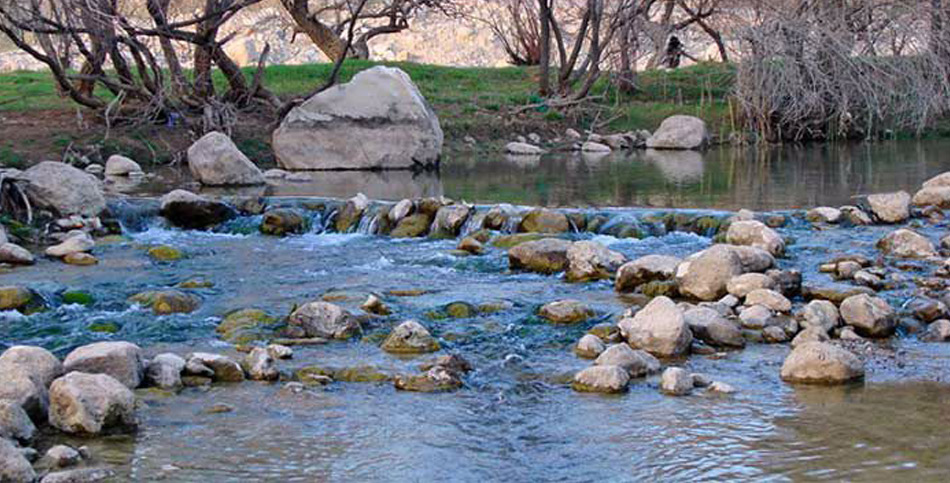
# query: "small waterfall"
[[135, 215], [511, 225], [318, 222], [472, 224], [327, 222], [368, 224]]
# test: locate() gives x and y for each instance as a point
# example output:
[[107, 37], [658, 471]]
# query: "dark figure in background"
[[674, 51]]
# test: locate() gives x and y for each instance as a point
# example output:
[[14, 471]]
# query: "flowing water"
[[517, 419]]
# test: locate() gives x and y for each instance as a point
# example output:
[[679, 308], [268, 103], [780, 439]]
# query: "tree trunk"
[[320, 34], [544, 84]]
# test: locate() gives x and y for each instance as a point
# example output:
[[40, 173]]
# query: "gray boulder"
[[121, 360], [821, 363], [675, 381], [90, 404], [706, 275], [377, 120], [890, 207], [755, 234], [14, 467], [680, 132], [589, 347], [644, 270], [603, 379], [820, 314], [118, 165], [712, 328], [410, 337], [64, 190], [224, 368], [260, 365], [637, 363], [589, 260], [164, 371], [870, 316], [188, 210], [15, 254], [326, 320], [214, 160], [543, 256], [15, 424], [37, 363], [904, 243], [659, 328]]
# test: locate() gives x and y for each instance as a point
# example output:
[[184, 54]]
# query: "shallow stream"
[[517, 418]]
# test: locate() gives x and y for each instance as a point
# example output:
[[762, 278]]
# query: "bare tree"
[[118, 75]]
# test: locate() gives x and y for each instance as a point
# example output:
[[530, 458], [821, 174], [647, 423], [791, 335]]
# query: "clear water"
[[516, 419]]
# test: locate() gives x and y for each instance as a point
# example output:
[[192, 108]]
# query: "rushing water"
[[516, 419]]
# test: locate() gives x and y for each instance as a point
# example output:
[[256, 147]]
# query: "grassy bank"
[[482, 102]]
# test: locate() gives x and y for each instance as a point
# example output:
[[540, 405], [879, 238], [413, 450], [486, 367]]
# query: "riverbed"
[[517, 418]]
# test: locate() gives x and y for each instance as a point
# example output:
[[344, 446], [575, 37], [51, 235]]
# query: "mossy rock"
[[164, 302], [384, 226], [80, 259], [607, 332], [165, 253], [360, 374], [511, 241], [78, 297], [423, 383], [578, 221], [412, 226], [460, 310], [495, 307], [596, 223], [347, 218], [408, 292], [707, 226], [246, 325], [482, 236], [625, 230], [283, 222], [16, 298], [544, 220], [104, 327], [313, 376], [657, 288], [195, 283]]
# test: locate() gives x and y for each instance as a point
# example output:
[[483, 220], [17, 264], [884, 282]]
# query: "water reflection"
[[761, 178]]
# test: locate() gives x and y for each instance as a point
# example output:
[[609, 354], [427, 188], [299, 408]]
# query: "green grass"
[[469, 101]]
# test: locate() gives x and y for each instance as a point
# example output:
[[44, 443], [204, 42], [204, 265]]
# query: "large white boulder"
[[377, 120], [121, 360], [64, 189], [83, 403], [659, 328], [214, 160], [821, 363], [680, 132]]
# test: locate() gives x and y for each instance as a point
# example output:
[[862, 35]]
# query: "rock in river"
[[224, 368], [712, 328], [260, 365], [326, 320], [676, 382], [282, 222], [706, 275], [870, 316], [589, 347], [121, 360], [755, 234], [659, 328], [566, 312], [377, 120], [164, 302], [83, 403], [906, 243], [890, 207], [14, 467], [15, 298], [410, 337], [164, 371], [543, 220], [187, 210], [644, 270], [589, 260], [64, 190], [118, 165], [604, 379], [821, 363], [544, 256], [214, 160], [637, 363], [15, 254], [15, 424]]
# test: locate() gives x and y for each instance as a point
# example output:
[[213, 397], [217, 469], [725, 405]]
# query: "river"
[[517, 418]]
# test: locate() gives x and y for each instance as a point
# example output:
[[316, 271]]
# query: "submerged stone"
[[165, 302]]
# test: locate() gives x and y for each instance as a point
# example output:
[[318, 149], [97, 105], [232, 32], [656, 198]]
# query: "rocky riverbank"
[[746, 281]]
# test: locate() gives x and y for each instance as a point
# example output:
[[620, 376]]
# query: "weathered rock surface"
[[589, 346], [589, 260], [680, 132], [282, 222], [675, 381], [164, 371], [543, 220], [706, 275], [121, 360], [14, 467], [906, 243], [410, 337], [214, 160], [659, 328], [742, 285], [566, 312], [64, 190], [890, 207], [449, 220], [15, 254], [377, 120], [821, 363], [523, 149], [118, 165], [35, 362], [820, 314], [259, 365], [168, 301], [224, 368], [603, 379], [644, 270], [15, 424], [79, 242], [83, 403], [870, 316], [712, 328], [755, 234], [637, 363], [544, 256], [326, 320], [769, 298], [938, 196], [188, 210]]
